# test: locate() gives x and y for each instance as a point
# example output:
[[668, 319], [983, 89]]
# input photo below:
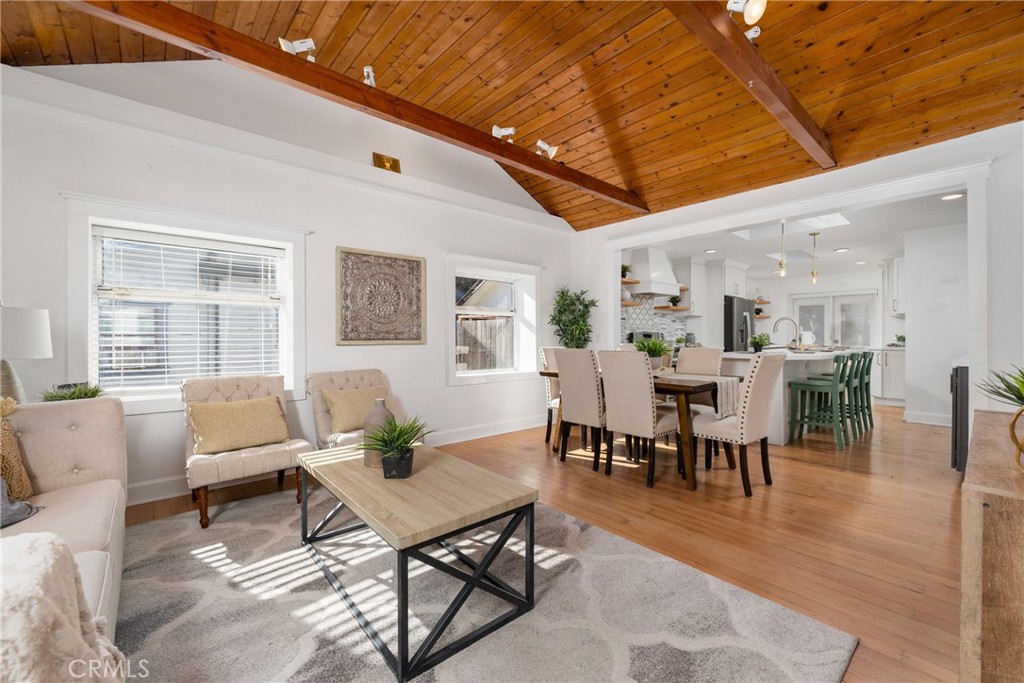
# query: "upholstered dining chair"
[[582, 400], [699, 360], [632, 408], [236, 427], [552, 388], [750, 424], [341, 400]]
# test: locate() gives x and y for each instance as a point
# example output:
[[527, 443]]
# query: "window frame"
[[85, 215], [525, 283], [829, 301]]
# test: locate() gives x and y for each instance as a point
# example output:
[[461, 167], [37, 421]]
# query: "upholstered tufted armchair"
[[342, 380], [204, 468]]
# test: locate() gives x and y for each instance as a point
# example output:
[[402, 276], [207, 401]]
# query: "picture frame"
[[380, 298]]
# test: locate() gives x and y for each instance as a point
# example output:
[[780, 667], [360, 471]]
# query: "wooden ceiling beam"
[[178, 27], [710, 22]]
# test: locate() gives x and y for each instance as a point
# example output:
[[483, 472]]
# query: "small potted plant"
[[657, 349], [1008, 387], [758, 310], [71, 392], [674, 300], [626, 268], [759, 341], [395, 440]]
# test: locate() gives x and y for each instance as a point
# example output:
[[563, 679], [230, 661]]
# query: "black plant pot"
[[397, 465], [758, 348]]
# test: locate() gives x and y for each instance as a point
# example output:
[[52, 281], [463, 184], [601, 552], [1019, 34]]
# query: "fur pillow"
[[233, 425]]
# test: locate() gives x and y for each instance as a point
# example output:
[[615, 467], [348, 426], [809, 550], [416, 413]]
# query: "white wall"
[[47, 150], [936, 302]]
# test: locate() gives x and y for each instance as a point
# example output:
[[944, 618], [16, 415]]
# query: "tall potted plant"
[[570, 317]]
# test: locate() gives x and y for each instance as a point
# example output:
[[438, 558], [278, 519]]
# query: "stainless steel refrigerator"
[[739, 323]]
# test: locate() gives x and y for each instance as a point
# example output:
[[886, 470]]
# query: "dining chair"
[[582, 401], [632, 408], [750, 424], [551, 387], [699, 360]]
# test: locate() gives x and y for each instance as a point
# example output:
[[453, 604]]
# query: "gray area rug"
[[242, 601]]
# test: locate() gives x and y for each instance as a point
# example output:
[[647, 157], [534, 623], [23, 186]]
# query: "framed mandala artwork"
[[381, 298]]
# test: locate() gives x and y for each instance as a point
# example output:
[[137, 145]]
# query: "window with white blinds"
[[167, 307]]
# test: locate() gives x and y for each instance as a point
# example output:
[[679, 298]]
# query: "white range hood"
[[654, 271]]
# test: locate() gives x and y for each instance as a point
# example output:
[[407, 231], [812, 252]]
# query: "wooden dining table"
[[682, 388]]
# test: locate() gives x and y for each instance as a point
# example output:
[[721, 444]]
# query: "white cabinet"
[[734, 281], [897, 289], [889, 374], [693, 275]]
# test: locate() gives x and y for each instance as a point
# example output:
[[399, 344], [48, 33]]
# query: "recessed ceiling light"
[[841, 250], [710, 251], [861, 263], [955, 195]]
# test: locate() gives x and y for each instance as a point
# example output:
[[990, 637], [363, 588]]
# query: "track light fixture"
[[297, 46], [814, 258], [782, 249], [752, 9], [752, 33], [543, 147], [368, 78], [499, 132]]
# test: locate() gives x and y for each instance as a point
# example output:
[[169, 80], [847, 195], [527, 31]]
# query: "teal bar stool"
[[821, 402], [865, 388], [858, 382]]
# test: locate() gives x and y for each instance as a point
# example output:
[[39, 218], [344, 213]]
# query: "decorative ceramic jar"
[[375, 419]]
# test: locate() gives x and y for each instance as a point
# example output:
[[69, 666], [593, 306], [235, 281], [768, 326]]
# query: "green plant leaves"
[[1005, 387], [396, 437], [570, 316], [655, 348]]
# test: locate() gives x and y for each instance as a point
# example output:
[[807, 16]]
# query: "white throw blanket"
[[728, 391], [49, 634]]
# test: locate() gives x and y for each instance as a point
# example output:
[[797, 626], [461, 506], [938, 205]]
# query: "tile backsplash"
[[645, 318]]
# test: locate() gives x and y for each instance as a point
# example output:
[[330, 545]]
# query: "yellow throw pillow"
[[349, 407], [233, 425], [18, 485]]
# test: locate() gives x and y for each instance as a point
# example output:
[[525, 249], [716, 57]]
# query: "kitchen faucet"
[[795, 325]]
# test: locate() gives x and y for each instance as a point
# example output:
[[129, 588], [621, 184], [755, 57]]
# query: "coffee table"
[[444, 498]]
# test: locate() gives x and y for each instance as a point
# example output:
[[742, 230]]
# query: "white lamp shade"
[[25, 333], [754, 10]]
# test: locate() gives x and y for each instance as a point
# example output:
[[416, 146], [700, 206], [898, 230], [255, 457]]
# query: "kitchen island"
[[798, 365]]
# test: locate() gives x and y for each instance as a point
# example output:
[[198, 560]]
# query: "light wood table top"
[[444, 493]]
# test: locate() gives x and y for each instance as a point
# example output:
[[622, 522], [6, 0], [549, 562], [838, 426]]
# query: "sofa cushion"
[[232, 425], [88, 516], [349, 407], [94, 569], [337, 439], [203, 470]]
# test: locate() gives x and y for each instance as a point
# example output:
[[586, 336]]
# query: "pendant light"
[[782, 249], [814, 258]]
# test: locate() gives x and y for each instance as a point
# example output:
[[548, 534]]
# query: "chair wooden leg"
[[564, 429], [729, 457], [650, 466], [204, 517], [743, 471], [583, 437], [629, 447], [679, 453], [547, 431], [195, 498], [764, 462], [298, 484], [609, 439], [707, 454], [595, 437], [280, 479]]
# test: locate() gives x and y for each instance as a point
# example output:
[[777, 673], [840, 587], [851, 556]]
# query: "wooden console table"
[[992, 556]]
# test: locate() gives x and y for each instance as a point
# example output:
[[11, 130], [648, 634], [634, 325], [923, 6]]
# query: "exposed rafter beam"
[[710, 22], [175, 26]]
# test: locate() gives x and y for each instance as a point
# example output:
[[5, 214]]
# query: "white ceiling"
[[875, 233]]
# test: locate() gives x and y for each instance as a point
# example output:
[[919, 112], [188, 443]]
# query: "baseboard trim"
[[937, 419], [448, 436]]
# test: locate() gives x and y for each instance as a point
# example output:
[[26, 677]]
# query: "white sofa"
[[75, 455]]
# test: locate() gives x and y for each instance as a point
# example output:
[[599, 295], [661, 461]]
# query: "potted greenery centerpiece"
[[570, 317], [1008, 387], [655, 348], [759, 341], [395, 441]]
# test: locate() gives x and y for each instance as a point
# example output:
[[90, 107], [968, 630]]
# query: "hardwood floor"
[[866, 540]]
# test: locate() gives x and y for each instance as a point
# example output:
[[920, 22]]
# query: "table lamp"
[[24, 335]]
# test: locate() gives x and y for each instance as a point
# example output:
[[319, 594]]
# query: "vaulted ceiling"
[[630, 95]]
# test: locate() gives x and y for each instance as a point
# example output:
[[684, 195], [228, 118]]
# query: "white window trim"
[[527, 283], [84, 213], [876, 336]]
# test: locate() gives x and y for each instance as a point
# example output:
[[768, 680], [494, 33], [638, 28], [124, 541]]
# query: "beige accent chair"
[[582, 402], [751, 421], [551, 387], [633, 408], [202, 471], [316, 382]]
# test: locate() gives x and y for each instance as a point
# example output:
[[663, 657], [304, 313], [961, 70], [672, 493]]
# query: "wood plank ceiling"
[[628, 95]]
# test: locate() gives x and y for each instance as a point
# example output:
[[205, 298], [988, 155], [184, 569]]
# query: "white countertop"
[[790, 355]]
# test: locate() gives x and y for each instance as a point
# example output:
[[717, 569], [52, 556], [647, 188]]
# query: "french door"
[[846, 320]]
